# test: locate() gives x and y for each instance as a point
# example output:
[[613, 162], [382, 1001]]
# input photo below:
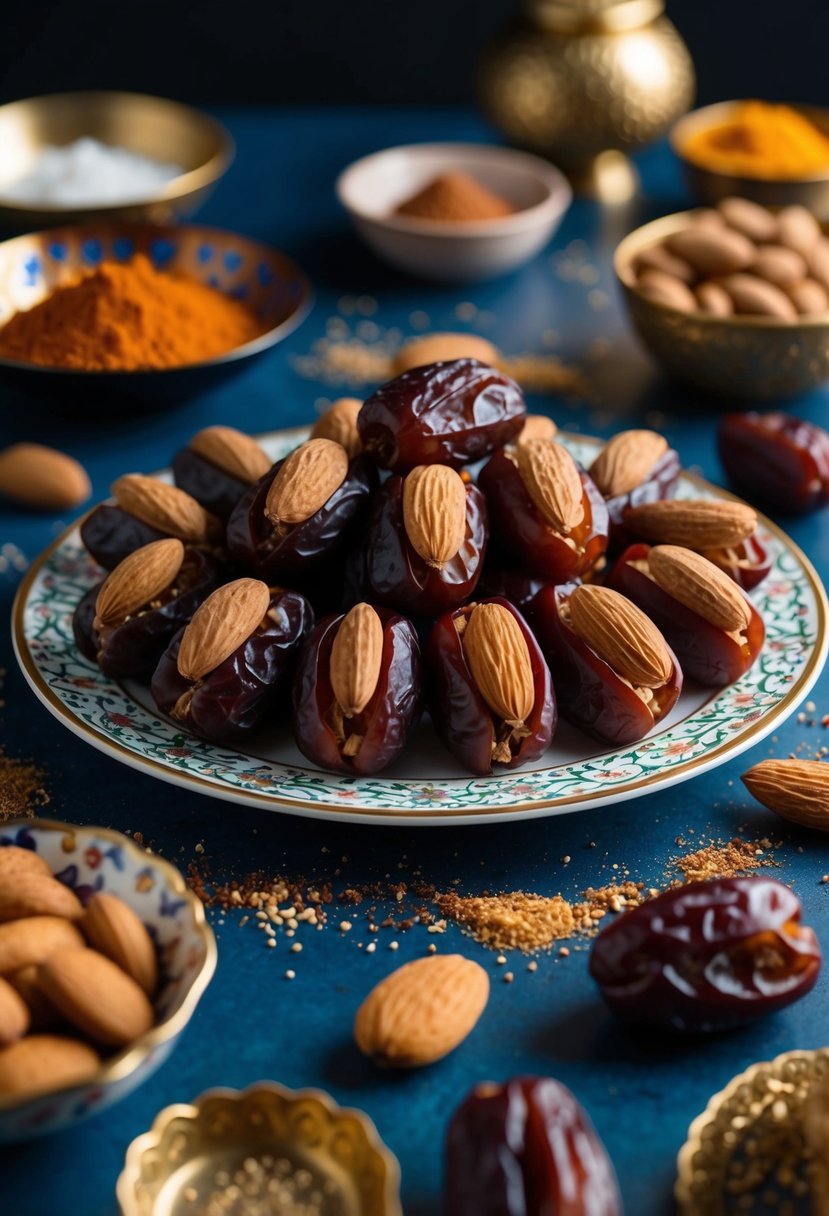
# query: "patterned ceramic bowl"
[[31, 266], [92, 859], [745, 357], [314, 1154]]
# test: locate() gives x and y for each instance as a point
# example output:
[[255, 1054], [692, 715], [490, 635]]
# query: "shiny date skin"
[[132, 649], [296, 552], [513, 585], [658, 485], [590, 693], [233, 699], [400, 578], [464, 722], [706, 653], [387, 720], [526, 1148], [777, 459], [217, 491], [708, 956], [747, 563], [442, 413], [521, 531], [110, 534]]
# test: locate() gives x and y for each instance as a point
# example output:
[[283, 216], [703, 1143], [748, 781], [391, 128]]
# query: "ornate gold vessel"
[[584, 82]]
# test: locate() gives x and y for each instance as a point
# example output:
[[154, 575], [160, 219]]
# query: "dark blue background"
[[254, 1024]]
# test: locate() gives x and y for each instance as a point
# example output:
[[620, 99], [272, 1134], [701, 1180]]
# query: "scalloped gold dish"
[[331, 1153], [746, 1153]]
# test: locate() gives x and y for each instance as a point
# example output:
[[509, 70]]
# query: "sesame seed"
[[296, 948], [290, 975], [394, 945], [508, 977]]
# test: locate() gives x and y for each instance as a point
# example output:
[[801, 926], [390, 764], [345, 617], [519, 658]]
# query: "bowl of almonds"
[[733, 300], [104, 955]]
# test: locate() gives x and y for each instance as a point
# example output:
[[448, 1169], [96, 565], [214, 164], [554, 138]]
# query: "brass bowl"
[[152, 126], [708, 186], [754, 358], [172, 1166], [32, 266]]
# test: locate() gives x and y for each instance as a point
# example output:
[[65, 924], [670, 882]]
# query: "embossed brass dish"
[[174, 1167], [747, 1152], [152, 126], [753, 358]]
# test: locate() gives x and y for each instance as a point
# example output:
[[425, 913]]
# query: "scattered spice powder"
[[722, 860], [21, 789], [513, 921], [455, 198]]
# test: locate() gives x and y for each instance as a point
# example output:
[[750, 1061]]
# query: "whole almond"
[[339, 423], [30, 941], [138, 579], [621, 634], [700, 586], [660, 258], [537, 426], [42, 1013], [749, 218], [809, 297], [44, 1062], [434, 512], [552, 480], [798, 228], [693, 523], [14, 1014], [714, 299], [499, 661], [356, 659], [112, 928], [753, 296], [442, 348], [710, 250], [231, 451], [664, 289], [817, 260], [306, 480], [781, 266], [15, 860], [220, 625], [96, 996], [422, 1011], [42, 477], [625, 461], [165, 508], [29, 894], [797, 790]]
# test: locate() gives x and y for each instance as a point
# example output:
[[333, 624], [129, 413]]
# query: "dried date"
[[776, 458]]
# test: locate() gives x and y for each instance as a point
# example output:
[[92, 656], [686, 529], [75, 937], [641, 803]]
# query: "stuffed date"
[[218, 466], [633, 467]]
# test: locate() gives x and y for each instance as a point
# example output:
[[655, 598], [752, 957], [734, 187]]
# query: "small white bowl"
[[372, 188]]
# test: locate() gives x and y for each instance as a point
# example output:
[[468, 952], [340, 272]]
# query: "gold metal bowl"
[[152, 126], [709, 186], [747, 1151], [192, 1150], [753, 358], [92, 859]]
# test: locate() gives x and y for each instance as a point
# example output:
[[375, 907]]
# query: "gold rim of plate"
[[340, 1143], [762, 1107], [126, 1061]]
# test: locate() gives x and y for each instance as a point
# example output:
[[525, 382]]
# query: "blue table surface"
[[253, 1023]]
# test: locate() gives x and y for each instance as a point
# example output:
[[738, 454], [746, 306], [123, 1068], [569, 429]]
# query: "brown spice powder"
[[512, 921], [21, 789], [455, 198], [718, 860]]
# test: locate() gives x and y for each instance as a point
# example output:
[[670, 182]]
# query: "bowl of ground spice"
[[153, 313], [454, 212], [773, 154]]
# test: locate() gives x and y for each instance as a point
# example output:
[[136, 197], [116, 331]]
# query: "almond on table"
[[797, 790], [41, 477]]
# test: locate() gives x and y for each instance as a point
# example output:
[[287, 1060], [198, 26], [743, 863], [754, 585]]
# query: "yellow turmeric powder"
[[761, 140], [127, 316]]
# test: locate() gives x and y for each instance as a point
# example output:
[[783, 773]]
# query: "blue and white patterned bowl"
[[267, 281], [90, 859]]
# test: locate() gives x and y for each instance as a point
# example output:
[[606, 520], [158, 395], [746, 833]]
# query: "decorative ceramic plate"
[[706, 727]]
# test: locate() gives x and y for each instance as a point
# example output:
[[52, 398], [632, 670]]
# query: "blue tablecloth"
[[252, 1022]]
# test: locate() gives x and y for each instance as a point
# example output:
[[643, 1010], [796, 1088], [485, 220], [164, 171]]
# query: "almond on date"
[[339, 423], [422, 1011], [621, 634], [356, 659], [220, 625], [43, 1062], [165, 507], [96, 996], [231, 451], [138, 579], [551, 479], [700, 585], [42, 477], [434, 512], [625, 461], [537, 426], [693, 523], [305, 481], [797, 790], [499, 660]]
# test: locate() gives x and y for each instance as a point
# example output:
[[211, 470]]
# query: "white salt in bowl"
[[372, 188]]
